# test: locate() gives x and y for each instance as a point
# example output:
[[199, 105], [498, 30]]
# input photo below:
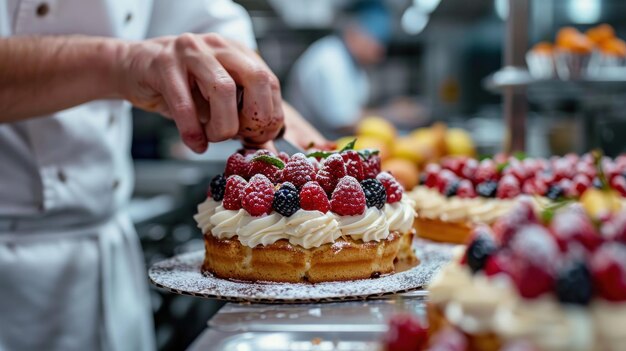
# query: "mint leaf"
[[548, 212], [274, 161], [320, 154], [349, 146], [367, 153], [520, 155], [500, 167]]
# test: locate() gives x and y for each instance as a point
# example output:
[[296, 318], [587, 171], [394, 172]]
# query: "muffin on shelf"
[[540, 61], [573, 54], [329, 217]]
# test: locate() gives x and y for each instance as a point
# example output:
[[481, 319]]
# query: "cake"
[[326, 216], [461, 192], [551, 282]]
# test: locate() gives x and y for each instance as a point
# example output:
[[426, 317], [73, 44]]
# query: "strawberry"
[[371, 167], [568, 226], [392, 187], [406, 333], [486, 171], [236, 165], [258, 195], [348, 199], [298, 170], [506, 227], [431, 175], [354, 164], [272, 172], [508, 187], [234, 192], [608, 270], [313, 198], [332, 170], [465, 189]]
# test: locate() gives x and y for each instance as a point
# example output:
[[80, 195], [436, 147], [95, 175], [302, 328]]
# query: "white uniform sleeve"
[[172, 17], [333, 95]]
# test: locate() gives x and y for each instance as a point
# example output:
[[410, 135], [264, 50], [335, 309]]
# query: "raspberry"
[[236, 165], [500, 262], [465, 189], [444, 178], [486, 171], [371, 167], [313, 198], [375, 193], [392, 187], [619, 183], [432, 174], [258, 195], [354, 164], [272, 172], [573, 284], [218, 184], [615, 227], [298, 170], [348, 199], [608, 269], [406, 333], [487, 188], [283, 156], [332, 170], [286, 200], [533, 281], [508, 187], [480, 249], [449, 339], [234, 192], [516, 169], [580, 184], [469, 169], [506, 227], [563, 169], [454, 164], [568, 226], [534, 186]]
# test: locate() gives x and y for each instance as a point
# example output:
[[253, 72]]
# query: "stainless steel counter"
[[327, 326]]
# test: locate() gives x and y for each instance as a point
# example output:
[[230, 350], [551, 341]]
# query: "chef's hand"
[[300, 132], [193, 79]]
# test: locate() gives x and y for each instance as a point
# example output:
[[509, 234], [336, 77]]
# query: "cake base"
[[345, 259], [447, 232]]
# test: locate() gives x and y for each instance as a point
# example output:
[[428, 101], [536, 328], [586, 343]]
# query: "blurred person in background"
[[328, 84], [73, 275]]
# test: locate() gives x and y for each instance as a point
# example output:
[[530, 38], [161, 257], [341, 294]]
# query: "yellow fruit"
[[365, 142], [459, 143], [378, 128], [409, 149], [598, 202], [403, 170], [343, 141]]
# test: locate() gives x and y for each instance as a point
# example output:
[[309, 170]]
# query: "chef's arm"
[[176, 76], [41, 75]]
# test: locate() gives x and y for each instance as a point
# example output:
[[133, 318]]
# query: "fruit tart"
[[326, 216]]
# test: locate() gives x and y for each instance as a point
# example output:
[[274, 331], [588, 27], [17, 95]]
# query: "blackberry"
[[451, 188], [574, 284], [422, 179], [286, 200], [375, 194], [479, 250], [218, 184], [487, 188], [555, 192]]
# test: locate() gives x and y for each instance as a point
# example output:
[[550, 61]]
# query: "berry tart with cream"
[[326, 216], [463, 192], [557, 282]]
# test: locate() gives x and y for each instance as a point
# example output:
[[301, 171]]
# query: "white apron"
[[72, 275]]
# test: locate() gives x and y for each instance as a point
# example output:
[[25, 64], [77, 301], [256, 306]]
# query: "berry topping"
[[445, 177], [538, 251], [298, 170], [480, 249], [555, 191], [354, 164], [375, 193], [269, 166], [508, 187], [392, 187], [283, 156], [406, 333], [313, 198], [258, 195], [516, 169], [332, 170], [218, 184], [469, 169], [431, 175], [286, 200], [452, 188], [487, 188], [619, 183], [348, 198], [234, 192], [454, 164], [608, 269], [486, 171], [236, 165], [371, 167], [505, 228], [569, 226], [615, 227], [465, 189], [580, 183], [573, 283], [449, 339]]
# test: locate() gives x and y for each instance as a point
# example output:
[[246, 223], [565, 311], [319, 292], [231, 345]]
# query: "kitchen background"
[[439, 68]]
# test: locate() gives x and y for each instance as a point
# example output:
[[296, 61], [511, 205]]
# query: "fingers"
[[182, 108], [216, 86]]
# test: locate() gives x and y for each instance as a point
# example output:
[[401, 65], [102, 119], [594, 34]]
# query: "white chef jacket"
[[327, 86], [72, 275]]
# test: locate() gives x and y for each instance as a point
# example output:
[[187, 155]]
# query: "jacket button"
[[43, 9], [61, 175]]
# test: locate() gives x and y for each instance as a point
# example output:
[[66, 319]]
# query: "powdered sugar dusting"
[[181, 275]]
